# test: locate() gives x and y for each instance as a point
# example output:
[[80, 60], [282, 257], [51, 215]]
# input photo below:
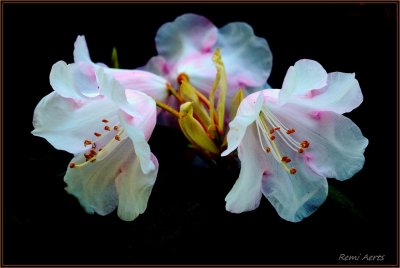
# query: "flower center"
[[101, 143], [277, 139]]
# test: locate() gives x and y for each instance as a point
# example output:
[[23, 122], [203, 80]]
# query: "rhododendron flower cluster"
[[210, 83]]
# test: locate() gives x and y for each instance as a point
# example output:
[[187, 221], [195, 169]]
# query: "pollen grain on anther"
[[300, 150], [107, 128], [117, 137], [97, 134], [104, 121], [286, 159], [272, 137], [293, 171], [116, 128], [267, 149], [305, 144], [87, 142], [72, 165], [290, 131]]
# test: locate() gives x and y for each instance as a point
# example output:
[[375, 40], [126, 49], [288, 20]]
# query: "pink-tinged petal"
[[138, 115], [337, 145], [294, 196], [132, 102], [247, 58], [246, 192], [134, 189], [85, 79], [187, 34], [341, 95], [300, 79], [76, 80], [137, 130], [66, 123], [157, 65], [94, 183], [62, 80], [200, 69], [247, 113], [149, 83], [81, 51]]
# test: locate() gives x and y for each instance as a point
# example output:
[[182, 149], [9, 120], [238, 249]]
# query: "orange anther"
[[117, 137], [182, 77], [271, 130], [267, 149], [293, 171], [72, 165], [104, 121], [277, 128], [87, 142], [107, 128], [305, 144], [116, 128], [290, 131], [300, 150], [272, 137], [286, 159], [93, 152], [97, 134]]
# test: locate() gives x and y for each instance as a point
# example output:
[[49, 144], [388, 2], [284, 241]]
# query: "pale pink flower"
[[290, 140]]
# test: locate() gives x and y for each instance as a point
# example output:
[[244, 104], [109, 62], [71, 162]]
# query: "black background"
[[185, 222]]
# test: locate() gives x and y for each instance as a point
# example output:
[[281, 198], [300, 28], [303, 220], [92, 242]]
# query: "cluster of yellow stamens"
[[94, 151], [269, 127]]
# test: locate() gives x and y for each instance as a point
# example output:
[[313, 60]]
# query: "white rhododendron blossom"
[[290, 140], [107, 132]]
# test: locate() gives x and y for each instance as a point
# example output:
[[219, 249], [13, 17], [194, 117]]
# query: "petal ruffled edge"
[[81, 51], [248, 58], [245, 194], [134, 188], [186, 34], [305, 75]]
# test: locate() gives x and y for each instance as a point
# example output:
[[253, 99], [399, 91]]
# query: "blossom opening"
[[102, 138], [267, 125]]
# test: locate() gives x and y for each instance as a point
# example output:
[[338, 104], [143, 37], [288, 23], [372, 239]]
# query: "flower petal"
[[81, 51], [139, 115], [294, 196], [247, 58], [336, 144], [134, 189], [246, 192], [139, 132], [65, 123], [149, 83], [304, 76], [76, 80], [187, 34], [341, 95], [157, 65], [246, 114], [94, 183]]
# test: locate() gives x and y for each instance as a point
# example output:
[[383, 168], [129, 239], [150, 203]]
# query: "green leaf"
[[114, 58], [341, 199]]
